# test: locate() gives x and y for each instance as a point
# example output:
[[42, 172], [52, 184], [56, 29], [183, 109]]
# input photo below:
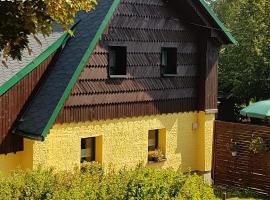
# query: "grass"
[[237, 194]]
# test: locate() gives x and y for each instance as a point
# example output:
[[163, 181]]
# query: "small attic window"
[[117, 61], [169, 61]]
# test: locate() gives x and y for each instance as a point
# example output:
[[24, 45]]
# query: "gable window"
[[156, 145], [117, 61], [88, 149], [169, 61]]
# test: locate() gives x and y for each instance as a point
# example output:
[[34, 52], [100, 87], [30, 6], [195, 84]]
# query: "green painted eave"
[[33, 65], [218, 22], [77, 72]]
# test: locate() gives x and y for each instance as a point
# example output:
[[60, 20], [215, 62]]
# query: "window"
[[117, 61], [88, 149], [169, 61], [153, 140], [156, 145]]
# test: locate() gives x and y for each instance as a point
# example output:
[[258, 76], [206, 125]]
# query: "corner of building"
[[205, 134], [19, 160]]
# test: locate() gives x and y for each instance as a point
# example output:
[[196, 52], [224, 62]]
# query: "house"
[[137, 76]]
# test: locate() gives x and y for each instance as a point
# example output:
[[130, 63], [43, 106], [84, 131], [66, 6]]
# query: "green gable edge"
[[33, 65], [80, 68], [219, 23]]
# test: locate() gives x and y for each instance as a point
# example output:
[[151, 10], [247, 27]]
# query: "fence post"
[[213, 153]]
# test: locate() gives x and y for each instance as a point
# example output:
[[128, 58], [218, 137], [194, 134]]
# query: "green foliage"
[[196, 189], [244, 70], [19, 19], [257, 145], [150, 184], [92, 183]]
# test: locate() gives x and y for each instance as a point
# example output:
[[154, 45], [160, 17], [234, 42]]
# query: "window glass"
[[117, 60], [169, 60], [152, 140], [88, 146]]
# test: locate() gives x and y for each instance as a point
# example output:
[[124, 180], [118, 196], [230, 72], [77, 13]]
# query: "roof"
[[15, 70], [45, 105], [218, 22]]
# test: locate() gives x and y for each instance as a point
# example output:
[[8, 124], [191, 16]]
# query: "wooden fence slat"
[[246, 170]]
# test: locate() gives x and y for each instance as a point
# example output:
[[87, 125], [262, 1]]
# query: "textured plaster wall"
[[23, 160], [124, 142], [205, 134]]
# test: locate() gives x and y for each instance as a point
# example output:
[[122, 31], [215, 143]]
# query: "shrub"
[[92, 183], [36, 184], [196, 189], [154, 184]]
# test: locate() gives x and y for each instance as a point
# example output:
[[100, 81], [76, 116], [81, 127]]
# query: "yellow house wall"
[[124, 142], [205, 141], [23, 160]]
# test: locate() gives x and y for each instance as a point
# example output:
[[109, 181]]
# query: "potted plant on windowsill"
[[156, 156]]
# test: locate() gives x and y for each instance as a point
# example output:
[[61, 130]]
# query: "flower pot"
[[234, 153]]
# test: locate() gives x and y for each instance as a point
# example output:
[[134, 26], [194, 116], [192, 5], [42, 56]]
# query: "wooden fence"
[[246, 170]]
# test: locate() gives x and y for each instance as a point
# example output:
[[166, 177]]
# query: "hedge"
[[92, 183]]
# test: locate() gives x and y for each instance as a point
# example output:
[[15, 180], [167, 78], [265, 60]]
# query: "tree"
[[19, 19], [244, 70]]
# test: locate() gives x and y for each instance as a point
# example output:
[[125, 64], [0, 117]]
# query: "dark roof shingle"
[[40, 110]]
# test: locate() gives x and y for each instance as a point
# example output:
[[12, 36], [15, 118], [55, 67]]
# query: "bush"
[[195, 189], [92, 183], [151, 184]]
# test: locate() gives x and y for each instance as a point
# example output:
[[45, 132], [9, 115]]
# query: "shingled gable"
[[46, 104]]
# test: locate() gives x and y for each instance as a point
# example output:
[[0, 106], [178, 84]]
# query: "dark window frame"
[[168, 67], [118, 55]]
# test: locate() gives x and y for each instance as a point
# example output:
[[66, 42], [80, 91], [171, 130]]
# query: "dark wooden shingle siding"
[[12, 104], [144, 27]]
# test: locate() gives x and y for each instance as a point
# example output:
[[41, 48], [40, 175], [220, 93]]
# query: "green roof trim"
[[219, 23], [80, 68], [34, 64]]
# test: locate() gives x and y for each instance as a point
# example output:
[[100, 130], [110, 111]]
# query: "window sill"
[[118, 76], [169, 75], [161, 161]]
